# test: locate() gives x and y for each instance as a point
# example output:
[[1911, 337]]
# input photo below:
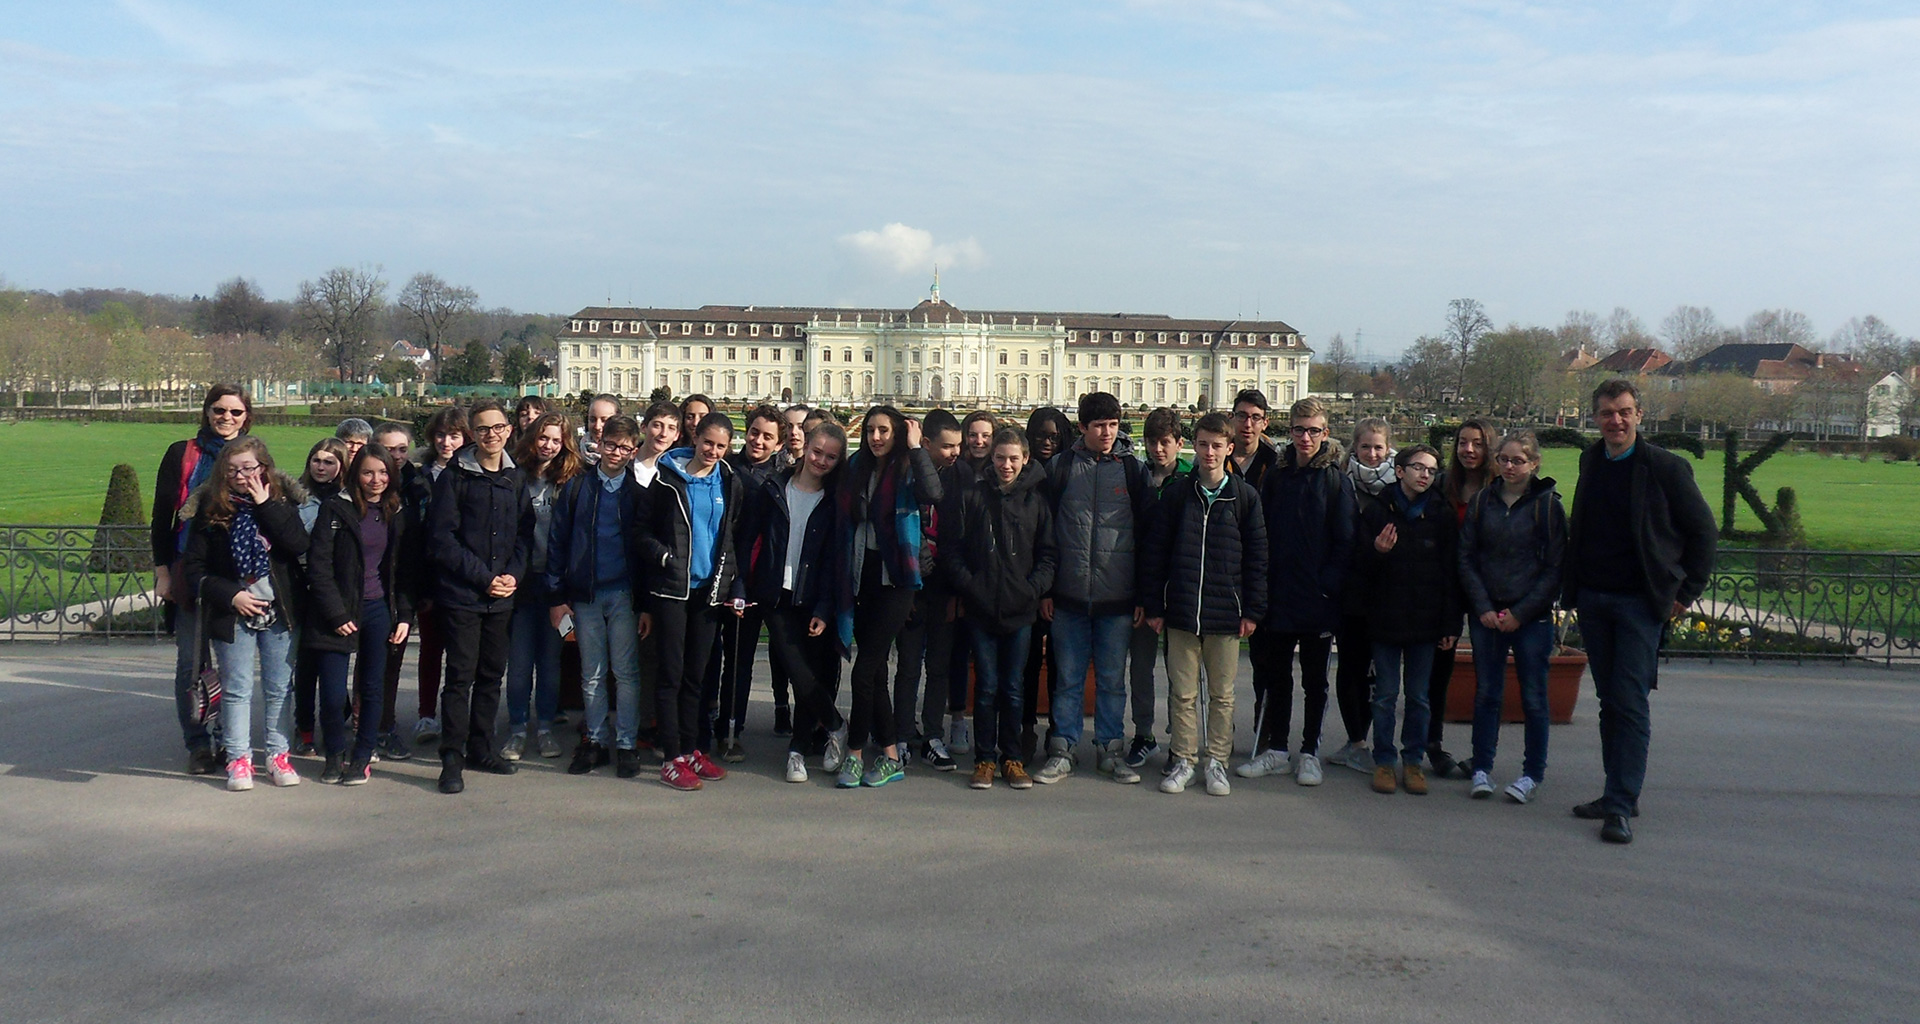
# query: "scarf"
[[1371, 480], [895, 517], [248, 547], [196, 466]]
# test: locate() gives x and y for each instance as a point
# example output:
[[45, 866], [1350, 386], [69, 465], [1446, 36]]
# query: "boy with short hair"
[[1163, 436], [592, 573], [1208, 556], [935, 636], [1000, 560]]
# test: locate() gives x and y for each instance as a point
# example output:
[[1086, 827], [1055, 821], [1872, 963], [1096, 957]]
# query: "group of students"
[[943, 545]]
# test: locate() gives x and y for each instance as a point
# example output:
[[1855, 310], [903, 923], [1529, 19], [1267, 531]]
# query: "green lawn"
[[57, 471]]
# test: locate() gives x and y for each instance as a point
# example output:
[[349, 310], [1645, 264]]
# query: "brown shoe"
[[1383, 779], [1016, 775], [1415, 779], [982, 776]]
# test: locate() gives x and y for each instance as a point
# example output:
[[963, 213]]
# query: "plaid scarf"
[[895, 516]]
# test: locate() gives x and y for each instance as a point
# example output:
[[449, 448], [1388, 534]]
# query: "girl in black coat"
[[1407, 569], [241, 563], [361, 601]]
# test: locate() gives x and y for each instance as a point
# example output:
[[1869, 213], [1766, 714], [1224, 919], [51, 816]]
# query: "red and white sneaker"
[[239, 774], [704, 766], [679, 774], [280, 770]]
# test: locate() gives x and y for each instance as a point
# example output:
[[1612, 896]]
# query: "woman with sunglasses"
[[225, 413], [242, 557]]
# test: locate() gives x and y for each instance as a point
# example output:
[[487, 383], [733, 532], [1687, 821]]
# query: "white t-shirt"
[[644, 471], [800, 506]]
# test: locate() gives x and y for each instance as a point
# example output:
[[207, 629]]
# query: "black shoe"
[[359, 773], [783, 721], [305, 747], [334, 770], [586, 756], [627, 763], [452, 779], [201, 761], [1616, 830], [1442, 762], [492, 764], [1593, 811]]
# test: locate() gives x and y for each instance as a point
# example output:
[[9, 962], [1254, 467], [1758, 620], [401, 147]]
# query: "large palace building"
[[932, 354]]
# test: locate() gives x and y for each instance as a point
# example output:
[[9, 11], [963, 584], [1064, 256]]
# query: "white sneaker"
[[426, 729], [1179, 774], [796, 767], [240, 774], [1216, 773], [836, 753], [1058, 767], [1307, 772], [1482, 786], [1360, 758], [959, 737], [1113, 761], [280, 770], [1268, 762], [1522, 789]]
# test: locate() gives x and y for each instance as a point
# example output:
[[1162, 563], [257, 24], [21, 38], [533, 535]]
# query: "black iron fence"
[[97, 582]]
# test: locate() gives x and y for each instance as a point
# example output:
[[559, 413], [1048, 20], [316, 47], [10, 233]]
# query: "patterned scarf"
[[1374, 479], [197, 465], [895, 516], [248, 546]]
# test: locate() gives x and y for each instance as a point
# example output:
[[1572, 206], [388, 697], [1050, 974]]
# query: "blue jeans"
[[370, 674], [266, 657], [999, 660], [1388, 662], [1531, 645], [1623, 652], [609, 635], [533, 667], [1077, 639]]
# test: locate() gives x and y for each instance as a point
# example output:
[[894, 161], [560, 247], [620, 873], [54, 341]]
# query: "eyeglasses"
[[242, 470], [1420, 469], [619, 449], [494, 430], [1513, 460], [1250, 417], [1309, 431], [222, 410]]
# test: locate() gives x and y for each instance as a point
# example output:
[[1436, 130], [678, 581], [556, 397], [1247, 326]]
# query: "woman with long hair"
[[888, 481], [362, 602], [549, 456], [225, 413], [326, 465], [1469, 469], [242, 558]]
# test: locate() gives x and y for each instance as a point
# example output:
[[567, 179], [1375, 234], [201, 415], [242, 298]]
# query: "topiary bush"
[[1680, 441], [1562, 437], [121, 550]]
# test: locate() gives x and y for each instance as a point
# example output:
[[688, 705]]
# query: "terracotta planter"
[[1564, 671]]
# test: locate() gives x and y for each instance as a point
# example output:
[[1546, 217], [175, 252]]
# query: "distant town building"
[[932, 354]]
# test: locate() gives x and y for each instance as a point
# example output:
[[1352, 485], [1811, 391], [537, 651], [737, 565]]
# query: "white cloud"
[[905, 250]]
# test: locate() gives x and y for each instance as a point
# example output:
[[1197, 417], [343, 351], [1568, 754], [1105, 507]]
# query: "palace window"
[[729, 381], [1023, 358], [1116, 360], [593, 327], [733, 329], [574, 326], [686, 352], [686, 328], [1003, 358], [779, 330], [707, 329], [732, 354], [753, 355], [1073, 359], [826, 355], [1139, 362], [1159, 362], [866, 355], [617, 324], [706, 353], [754, 330]]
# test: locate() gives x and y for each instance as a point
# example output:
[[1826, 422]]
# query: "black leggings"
[[685, 630], [812, 664], [1353, 683], [879, 614], [1437, 694]]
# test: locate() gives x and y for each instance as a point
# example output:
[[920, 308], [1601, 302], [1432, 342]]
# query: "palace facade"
[[932, 354]]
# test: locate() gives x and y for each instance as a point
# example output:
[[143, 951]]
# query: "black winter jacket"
[[479, 525], [955, 481], [416, 501], [573, 546], [1673, 528], [335, 570], [665, 535], [1411, 592], [1310, 527], [1510, 555], [207, 570], [1254, 469], [1001, 560], [1209, 563], [761, 542]]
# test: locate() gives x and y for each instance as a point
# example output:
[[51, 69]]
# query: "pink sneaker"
[[678, 774], [280, 770], [704, 767], [239, 775]]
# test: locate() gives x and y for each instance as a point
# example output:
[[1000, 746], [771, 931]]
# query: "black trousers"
[[1272, 656], [1437, 694], [813, 666], [306, 688], [879, 614], [686, 630], [476, 659], [1039, 648], [1353, 681], [912, 647]]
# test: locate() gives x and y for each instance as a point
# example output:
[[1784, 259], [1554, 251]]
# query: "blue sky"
[[1337, 165]]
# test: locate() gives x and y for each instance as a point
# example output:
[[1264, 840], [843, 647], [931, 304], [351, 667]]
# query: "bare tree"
[[338, 312], [1507, 367], [1625, 330], [1426, 370], [432, 307], [1871, 342], [1692, 331], [1335, 367], [1781, 326], [1467, 320], [239, 307]]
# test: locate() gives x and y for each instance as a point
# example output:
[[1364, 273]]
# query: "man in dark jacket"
[[1207, 553], [479, 533], [1640, 547], [999, 560], [1306, 498], [1099, 492], [1253, 455]]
